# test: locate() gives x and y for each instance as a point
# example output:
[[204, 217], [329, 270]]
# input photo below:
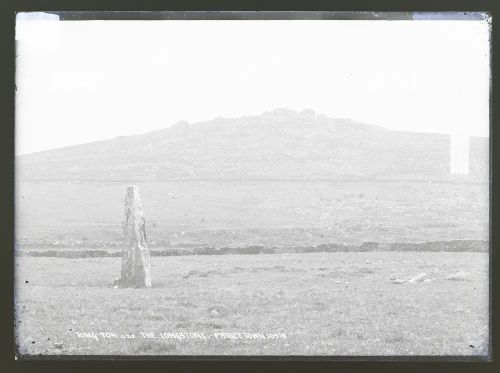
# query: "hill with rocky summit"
[[280, 144]]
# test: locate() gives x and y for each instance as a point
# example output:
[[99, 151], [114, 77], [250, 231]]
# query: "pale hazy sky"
[[82, 81]]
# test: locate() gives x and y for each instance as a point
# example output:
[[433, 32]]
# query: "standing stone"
[[136, 261]]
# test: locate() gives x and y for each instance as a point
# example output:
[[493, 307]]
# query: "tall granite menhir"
[[136, 261]]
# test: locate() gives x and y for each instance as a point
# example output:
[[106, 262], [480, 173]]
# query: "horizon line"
[[246, 116]]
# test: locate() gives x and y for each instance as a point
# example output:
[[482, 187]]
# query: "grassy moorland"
[[372, 302], [365, 303], [193, 214]]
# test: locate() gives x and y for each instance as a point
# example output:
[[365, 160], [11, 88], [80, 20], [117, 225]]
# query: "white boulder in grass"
[[458, 276], [418, 278], [136, 260]]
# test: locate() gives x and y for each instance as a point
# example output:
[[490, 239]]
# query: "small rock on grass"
[[458, 276], [397, 281], [418, 278]]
